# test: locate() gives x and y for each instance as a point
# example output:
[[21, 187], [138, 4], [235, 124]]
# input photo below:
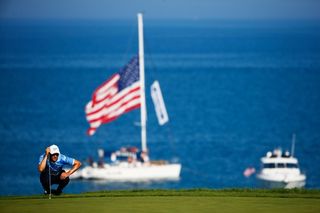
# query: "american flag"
[[118, 95]]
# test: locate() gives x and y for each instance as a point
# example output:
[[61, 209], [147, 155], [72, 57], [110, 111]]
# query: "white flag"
[[158, 102]]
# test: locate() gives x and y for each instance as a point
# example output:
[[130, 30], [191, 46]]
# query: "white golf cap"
[[54, 149]]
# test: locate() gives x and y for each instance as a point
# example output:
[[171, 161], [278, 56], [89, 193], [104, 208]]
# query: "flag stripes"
[[109, 100]]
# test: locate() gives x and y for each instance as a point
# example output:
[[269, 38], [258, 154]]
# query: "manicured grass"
[[170, 201]]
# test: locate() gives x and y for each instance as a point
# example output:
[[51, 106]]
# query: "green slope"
[[170, 201]]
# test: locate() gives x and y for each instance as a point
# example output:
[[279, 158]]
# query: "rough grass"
[[196, 200]]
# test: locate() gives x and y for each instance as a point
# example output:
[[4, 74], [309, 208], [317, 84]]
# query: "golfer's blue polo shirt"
[[56, 167]]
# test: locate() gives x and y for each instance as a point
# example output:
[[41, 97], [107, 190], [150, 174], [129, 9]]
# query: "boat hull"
[[282, 181], [130, 172], [283, 185]]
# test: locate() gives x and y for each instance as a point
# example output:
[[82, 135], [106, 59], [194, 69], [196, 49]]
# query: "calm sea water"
[[233, 90]]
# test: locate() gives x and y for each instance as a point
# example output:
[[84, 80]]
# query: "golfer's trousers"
[[55, 179]]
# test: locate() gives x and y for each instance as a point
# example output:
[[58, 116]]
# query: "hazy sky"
[[161, 9]]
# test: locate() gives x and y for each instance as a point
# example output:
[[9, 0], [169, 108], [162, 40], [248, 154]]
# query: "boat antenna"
[[293, 144]]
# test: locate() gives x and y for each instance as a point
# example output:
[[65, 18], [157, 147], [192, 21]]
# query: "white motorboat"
[[281, 170], [133, 169]]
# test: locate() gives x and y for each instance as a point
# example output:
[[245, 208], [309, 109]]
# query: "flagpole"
[[143, 110]]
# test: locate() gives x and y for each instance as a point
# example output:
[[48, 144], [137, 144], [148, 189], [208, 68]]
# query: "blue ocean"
[[233, 90]]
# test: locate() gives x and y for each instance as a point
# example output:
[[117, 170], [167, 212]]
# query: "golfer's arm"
[[76, 166], [43, 163]]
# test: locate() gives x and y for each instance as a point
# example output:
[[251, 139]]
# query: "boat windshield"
[[292, 165], [269, 165], [279, 165]]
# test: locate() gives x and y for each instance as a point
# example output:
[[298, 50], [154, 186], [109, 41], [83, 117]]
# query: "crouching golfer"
[[51, 169]]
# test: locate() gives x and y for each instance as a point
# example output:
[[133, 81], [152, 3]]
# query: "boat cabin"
[[279, 159]]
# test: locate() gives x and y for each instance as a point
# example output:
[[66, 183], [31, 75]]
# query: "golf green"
[[169, 201]]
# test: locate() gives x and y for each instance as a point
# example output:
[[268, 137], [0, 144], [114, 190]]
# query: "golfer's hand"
[[64, 175], [47, 151]]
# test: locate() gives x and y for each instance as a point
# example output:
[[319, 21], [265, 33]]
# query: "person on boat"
[[90, 161], [52, 163], [144, 157], [286, 154], [101, 158], [113, 157]]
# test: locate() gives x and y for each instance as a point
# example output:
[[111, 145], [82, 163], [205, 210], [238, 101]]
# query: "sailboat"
[[135, 170]]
